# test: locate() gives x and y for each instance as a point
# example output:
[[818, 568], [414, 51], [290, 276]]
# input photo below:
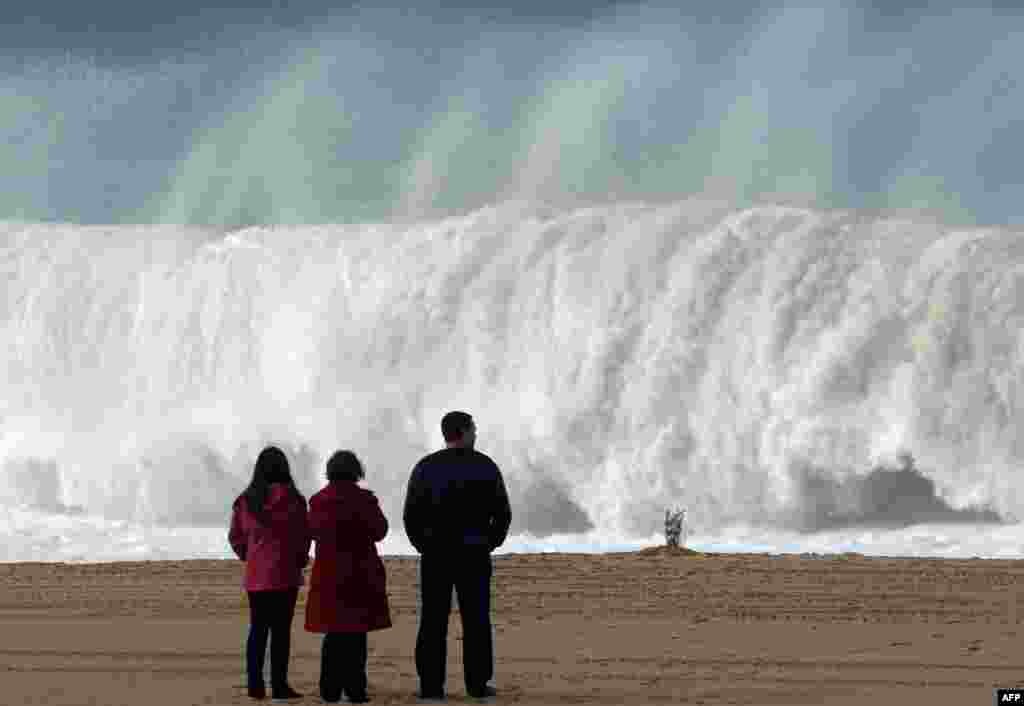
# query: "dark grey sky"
[[248, 112]]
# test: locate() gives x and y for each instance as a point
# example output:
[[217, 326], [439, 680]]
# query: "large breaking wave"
[[324, 225], [780, 366]]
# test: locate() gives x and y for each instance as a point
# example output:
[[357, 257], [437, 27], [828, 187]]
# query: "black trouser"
[[343, 665], [469, 572], [270, 612]]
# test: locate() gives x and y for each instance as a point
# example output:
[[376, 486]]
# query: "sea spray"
[[748, 364], [311, 113]]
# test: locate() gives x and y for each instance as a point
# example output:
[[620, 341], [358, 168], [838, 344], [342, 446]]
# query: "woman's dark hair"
[[271, 467], [344, 465]]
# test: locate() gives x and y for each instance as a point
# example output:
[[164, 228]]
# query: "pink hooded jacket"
[[276, 548]]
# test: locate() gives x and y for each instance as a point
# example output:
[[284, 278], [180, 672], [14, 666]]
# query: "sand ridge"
[[654, 626]]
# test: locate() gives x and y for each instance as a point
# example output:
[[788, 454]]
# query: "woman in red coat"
[[269, 533], [348, 589]]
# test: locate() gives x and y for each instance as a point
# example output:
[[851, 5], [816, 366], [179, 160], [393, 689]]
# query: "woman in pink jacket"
[[348, 589], [270, 533]]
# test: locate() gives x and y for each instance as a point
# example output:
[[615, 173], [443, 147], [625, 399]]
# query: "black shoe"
[[358, 698], [285, 695], [486, 692], [257, 692], [329, 695], [430, 697]]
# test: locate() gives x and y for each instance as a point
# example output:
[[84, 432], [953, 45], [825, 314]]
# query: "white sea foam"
[[33, 536], [757, 366]]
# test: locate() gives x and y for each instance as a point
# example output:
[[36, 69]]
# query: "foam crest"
[[769, 365]]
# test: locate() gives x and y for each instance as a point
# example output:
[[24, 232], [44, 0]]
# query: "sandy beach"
[[643, 627]]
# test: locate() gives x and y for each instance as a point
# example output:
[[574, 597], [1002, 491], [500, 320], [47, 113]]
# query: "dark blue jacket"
[[456, 499]]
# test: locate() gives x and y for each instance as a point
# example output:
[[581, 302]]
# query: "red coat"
[[276, 549], [348, 588]]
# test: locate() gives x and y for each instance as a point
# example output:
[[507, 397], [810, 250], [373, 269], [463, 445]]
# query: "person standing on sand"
[[456, 513], [348, 589], [269, 532]]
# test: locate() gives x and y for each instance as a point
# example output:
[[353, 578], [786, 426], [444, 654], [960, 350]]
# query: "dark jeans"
[[343, 665], [469, 572], [270, 615]]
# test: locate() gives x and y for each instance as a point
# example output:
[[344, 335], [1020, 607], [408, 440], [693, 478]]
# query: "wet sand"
[[643, 627]]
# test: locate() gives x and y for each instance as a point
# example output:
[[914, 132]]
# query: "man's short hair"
[[455, 424], [344, 465]]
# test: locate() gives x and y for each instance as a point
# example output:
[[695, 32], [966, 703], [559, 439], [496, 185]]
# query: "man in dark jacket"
[[456, 513]]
